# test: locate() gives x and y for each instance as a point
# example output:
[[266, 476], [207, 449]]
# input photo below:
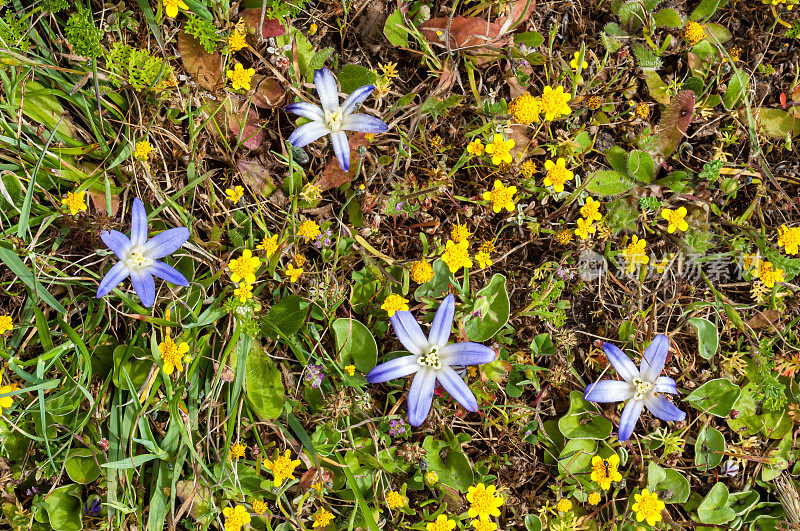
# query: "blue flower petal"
[[167, 272], [654, 358], [342, 149], [138, 223], [117, 242], [326, 88], [420, 396], [364, 123], [306, 110], [409, 333], [665, 384], [442, 322], [145, 287], [166, 243], [305, 134], [467, 353], [663, 408], [621, 362], [608, 391], [358, 96], [631, 413], [457, 388], [115, 275], [396, 368]]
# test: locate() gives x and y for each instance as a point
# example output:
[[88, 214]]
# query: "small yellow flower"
[[431, 477], [557, 174], [442, 523], [487, 247], [484, 259], [282, 468], [604, 471], [395, 500], [735, 52], [260, 507], [299, 259], [648, 507], [240, 77], [585, 228], [642, 110], [528, 168], [693, 32], [768, 275], [75, 201], [676, 219], [244, 267], [234, 194], [594, 498], [395, 303], [171, 7], [142, 150], [500, 150], [593, 103], [635, 253], [476, 147], [243, 292], [484, 525], [236, 41], [591, 210], [554, 103], [235, 518], [308, 230], [350, 369], [322, 518], [293, 272], [564, 505], [389, 70], [236, 451], [526, 109], [269, 245], [789, 239], [564, 236], [421, 272], [311, 192], [574, 62], [460, 233], [172, 354], [6, 324], [7, 401], [456, 256], [312, 29], [483, 501], [501, 196]]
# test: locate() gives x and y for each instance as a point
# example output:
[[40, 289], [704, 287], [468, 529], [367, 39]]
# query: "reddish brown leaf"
[[270, 28], [522, 11], [675, 120], [205, 68], [267, 91], [765, 319], [99, 202], [333, 176], [471, 35], [253, 135]]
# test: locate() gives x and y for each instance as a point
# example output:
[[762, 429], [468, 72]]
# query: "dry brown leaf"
[[99, 202], [253, 134], [519, 133], [765, 319], [204, 67], [473, 35], [267, 91], [522, 11], [270, 28], [446, 78], [333, 176], [255, 174]]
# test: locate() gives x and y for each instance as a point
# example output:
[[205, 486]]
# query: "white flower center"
[[137, 259], [431, 359], [642, 388], [333, 119]]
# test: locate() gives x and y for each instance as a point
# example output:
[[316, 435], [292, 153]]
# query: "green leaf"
[[449, 462], [355, 344], [717, 32], [287, 315], [318, 61], [715, 397], [436, 286], [754, 419], [713, 509], [576, 458], [64, 508], [16, 265], [671, 485], [263, 383], [81, 465], [641, 166], [707, 8], [779, 458], [394, 31], [608, 183], [583, 420], [709, 448], [659, 90], [707, 336], [493, 306], [647, 58], [778, 123], [668, 18], [533, 523], [352, 77], [531, 39], [737, 86]]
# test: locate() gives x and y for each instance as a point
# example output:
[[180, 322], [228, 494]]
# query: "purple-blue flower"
[[640, 386], [334, 119], [138, 257], [431, 361]]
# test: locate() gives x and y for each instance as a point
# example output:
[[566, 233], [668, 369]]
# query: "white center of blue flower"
[[137, 259], [431, 359], [642, 388], [333, 119]]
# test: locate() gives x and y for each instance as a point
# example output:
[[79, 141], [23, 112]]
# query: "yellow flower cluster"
[[484, 254], [236, 41], [527, 168], [269, 245], [282, 467], [557, 174], [142, 150], [308, 230], [604, 471], [171, 7], [594, 498], [591, 213], [501, 196], [260, 507], [456, 255], [6, 324], [236, 452], [240, 77], [322, 518], [676, 219], [244, 267], [554, 103], [526, 109], [476, 147], [75, 201], [7, 401], [694, 32], [395, 303], [442, 523], [564, 505], [483, 503], [789, 239], [236, 517], [421, 272], [460, 233], [173, 355], [767, 273], [395, 500]]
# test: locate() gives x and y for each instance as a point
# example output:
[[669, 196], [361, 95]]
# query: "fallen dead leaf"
[[204, 67], [267, 91], [333, 176], [473, 35], [522, 11], [253, 134], [765, 319], [271, 27], [99, 202], [256, 175]]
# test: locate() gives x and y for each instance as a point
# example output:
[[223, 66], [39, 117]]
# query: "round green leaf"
[[64, 508], [715, 397], [609, 182], [452, 466], [707, 336], [641, 166], [714, 508], [583, 421], [81, 465], [355, 344], [671, 485], [709, 448]]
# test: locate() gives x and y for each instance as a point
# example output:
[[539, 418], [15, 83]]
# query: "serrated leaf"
[[646, 57]]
